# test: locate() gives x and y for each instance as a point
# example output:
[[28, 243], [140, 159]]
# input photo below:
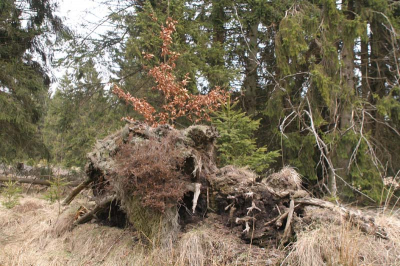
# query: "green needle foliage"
[[80, 112], [11, 193], [322, 75], [57, 185], [25, 28], [54, 193], [237, 144]]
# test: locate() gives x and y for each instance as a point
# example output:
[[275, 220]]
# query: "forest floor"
[[35, 233]]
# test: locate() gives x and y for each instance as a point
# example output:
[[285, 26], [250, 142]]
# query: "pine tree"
[[201, 54], [321, 75]]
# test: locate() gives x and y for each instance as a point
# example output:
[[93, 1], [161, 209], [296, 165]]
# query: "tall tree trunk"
[[365, 90], [377, 69], [366, 93], [344, 99], [251, 77], [218, 19]]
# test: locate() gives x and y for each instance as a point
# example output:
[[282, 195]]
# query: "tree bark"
[[344, 98], [216, 59]]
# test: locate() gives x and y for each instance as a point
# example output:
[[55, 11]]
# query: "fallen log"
[[33, 181], [364, 222], [26, 180]]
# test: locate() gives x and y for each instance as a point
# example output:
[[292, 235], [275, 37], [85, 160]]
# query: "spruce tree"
[[237, 144], [24, 79], [326, 103], [80, 112]]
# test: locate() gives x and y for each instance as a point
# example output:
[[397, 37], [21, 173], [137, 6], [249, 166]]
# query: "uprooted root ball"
[[151, 171]]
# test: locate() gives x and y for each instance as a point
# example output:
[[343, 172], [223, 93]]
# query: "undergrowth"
[[55, 191], [11, 192]]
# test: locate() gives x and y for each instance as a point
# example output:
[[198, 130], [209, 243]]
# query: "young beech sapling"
[[178, 101]]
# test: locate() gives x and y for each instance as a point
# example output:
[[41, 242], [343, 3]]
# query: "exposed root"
[[196, 196], [279, 219], [102, 205], [288, 228], [76, 191], [253, 207], [245, 221]]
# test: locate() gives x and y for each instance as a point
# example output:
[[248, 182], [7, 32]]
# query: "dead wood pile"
[[160, 180]]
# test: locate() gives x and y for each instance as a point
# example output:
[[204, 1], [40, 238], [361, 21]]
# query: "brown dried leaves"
[[178, 101]]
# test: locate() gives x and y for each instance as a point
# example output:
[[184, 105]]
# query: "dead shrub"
[[152, 170]]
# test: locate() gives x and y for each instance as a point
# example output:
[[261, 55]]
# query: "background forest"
[[317, 82]]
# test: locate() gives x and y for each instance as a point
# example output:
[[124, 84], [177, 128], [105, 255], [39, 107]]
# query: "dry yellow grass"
[[33, 233], [286, 179], [38, 236], [333, 244], [214, 245]]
